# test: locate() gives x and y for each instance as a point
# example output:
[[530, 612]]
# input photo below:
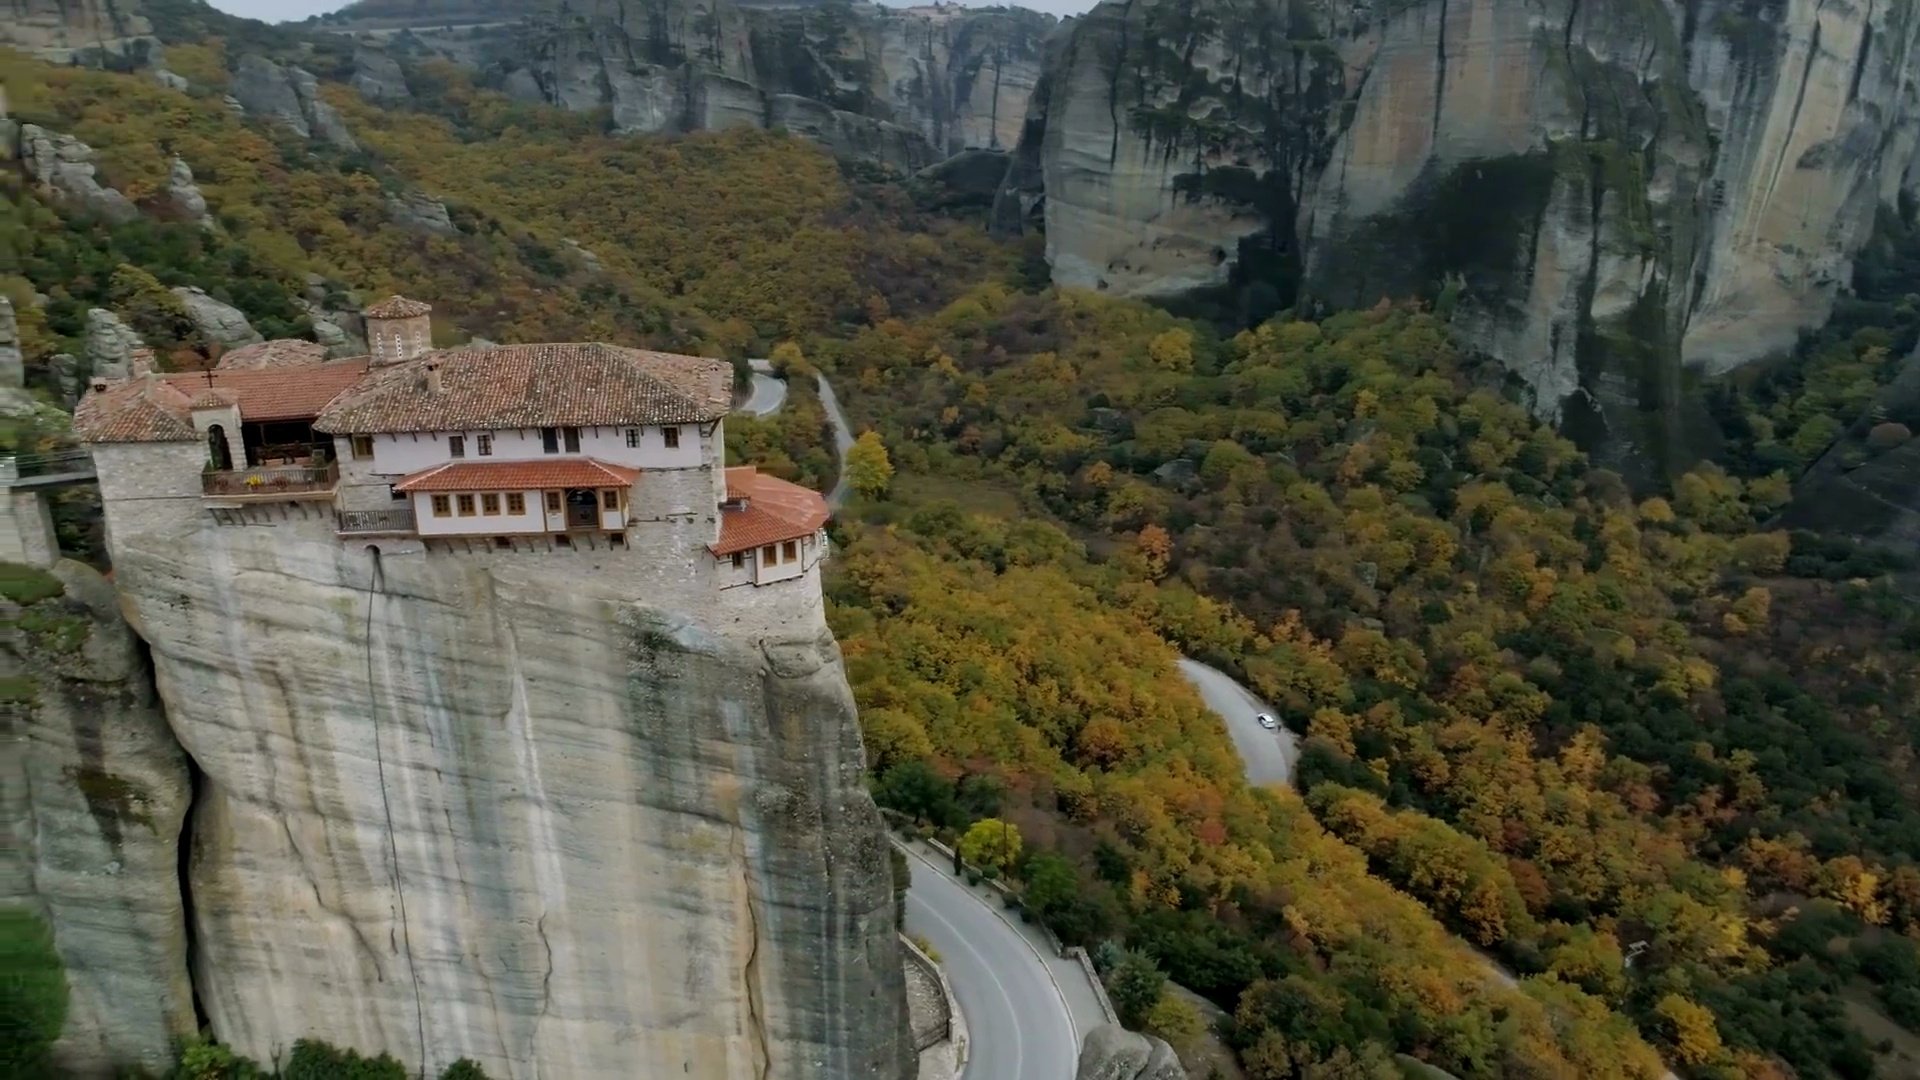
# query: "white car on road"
[[1267, 721]]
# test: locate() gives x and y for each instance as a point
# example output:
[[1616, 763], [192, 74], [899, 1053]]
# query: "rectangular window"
[[550, 440], [553, 502], [456, 446], [396, 494], [490, 503], [516, 503], [483, 445], [362, 446], [739, 559], [672, 435], [633, 437], [789, 551], [573, 439], [465, 502], [442, 506], [610, 499], [769, 556]]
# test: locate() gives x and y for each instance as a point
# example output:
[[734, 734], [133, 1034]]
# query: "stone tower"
[[399, 329]]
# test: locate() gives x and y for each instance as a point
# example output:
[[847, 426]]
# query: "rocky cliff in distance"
[[1611, 188], [94, 795], [109, 32], [902, 87], [455, 808]]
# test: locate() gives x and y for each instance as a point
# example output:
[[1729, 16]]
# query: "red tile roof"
[[519, 475], [775, 510], [526, 386], [159, 408], [398, 307]]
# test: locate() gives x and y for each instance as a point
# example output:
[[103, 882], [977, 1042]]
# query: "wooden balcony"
[[272, 482], [397, 521]]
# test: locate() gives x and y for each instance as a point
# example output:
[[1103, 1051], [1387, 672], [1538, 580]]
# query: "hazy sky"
[[283, 10]]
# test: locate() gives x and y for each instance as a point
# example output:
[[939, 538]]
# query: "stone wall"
[[520, 808], [150, 488]]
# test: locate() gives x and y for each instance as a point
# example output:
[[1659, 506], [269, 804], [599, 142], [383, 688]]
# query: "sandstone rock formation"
[[496, 809], [186, 194], [13, 370], [218, 322], [418, 210], [290, 97], [905, 88], [1111, 1052], [63, 166], [378, 78], [110, 344], [96, 32], [95, 793], [1612, 188]]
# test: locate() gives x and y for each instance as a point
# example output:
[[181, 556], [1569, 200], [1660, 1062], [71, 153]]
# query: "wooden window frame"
[[550, 440], [633, 438], [483, 444], [672, 436], [464, 504], [490, 503], [571, 437], [609, 498], [360, 446], [442, 506], [517, 503], [770, 555], [456, 446], [790, 551], [553, 503]]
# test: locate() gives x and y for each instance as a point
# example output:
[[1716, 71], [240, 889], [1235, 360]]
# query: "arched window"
[[217, 450]]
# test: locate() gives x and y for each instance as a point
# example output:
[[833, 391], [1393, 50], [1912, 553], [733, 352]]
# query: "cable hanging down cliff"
[[376, 585]]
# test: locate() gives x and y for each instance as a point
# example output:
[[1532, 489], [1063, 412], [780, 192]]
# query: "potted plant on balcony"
[[254, 482]]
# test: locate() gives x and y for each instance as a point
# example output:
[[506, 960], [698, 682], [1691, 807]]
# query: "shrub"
[[33, 993]]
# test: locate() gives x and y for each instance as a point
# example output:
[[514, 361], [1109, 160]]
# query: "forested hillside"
[[1570, 722]]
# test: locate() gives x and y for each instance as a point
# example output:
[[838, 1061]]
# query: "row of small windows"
[[489, 503], [516, 503], [551, 440], [771, 554]]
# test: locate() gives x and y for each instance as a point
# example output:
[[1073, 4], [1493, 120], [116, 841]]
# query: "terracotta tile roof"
[[519, 475], [526, 386], [280, 353], [776, 510], [136, 410], [398, 307], [159, 408]]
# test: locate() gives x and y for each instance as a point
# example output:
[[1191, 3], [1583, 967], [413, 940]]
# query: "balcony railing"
[[397, 520], [271, 482]]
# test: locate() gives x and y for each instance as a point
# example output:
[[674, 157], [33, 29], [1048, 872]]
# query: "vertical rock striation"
[[903, 88], [495, 808], [1610, 188], [95, 792]]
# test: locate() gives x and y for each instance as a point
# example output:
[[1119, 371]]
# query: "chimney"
[[433, 376], [140, 362], [99, 385]]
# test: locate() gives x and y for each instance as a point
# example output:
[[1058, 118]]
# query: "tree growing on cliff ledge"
[[33, 993], [869, 469]]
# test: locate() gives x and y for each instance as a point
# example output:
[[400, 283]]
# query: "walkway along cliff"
[[515, 727]]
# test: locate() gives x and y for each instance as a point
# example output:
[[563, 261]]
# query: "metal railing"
[[29, 466], [273, 480], [397, 520]]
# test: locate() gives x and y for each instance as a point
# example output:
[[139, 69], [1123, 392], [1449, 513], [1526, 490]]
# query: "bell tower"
[[399, 329]]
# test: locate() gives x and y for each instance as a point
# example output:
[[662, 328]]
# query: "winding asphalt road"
[[1025, 1008], [1269, 755]]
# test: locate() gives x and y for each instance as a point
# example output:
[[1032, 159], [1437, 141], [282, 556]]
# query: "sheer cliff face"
[[905, 88], [94, 794], [494, 809], [1612, 187]]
